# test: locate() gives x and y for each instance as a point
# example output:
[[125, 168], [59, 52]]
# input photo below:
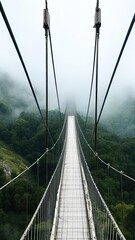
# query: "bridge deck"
[[72, 218]]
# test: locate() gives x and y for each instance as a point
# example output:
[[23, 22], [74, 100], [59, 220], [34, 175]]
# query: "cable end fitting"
[[97, 24], [46, 19]]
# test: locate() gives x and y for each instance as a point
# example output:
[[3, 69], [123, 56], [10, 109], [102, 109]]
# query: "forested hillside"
[[118, 191], [22, 142]]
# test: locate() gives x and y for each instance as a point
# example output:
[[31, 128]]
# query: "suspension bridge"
[[71, 206]]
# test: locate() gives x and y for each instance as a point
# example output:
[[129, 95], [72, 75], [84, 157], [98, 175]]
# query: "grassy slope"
[[14, 161]]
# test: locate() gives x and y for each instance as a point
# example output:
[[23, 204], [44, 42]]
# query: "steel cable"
[[96, 90], [117, 63], [97, 6], [20, 56], [23, 64], [92, 78], [56, 85]]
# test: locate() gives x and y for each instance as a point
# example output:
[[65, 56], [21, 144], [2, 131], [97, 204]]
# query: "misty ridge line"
[[83, 107], [18, 51], [14, 97], [18, 96], [20, 56]]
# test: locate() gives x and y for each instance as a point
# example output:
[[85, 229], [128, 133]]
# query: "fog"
[[14, 98], [73, 45]]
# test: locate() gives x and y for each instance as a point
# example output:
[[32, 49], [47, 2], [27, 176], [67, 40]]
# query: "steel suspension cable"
[[20, 56], [56, 85], [96, 91], [97, 27], [91, 87], [97, 6], [52, 56], [117, 63], [23, 64], [46, 3], [46, 36], [96, 100], [46, 26]]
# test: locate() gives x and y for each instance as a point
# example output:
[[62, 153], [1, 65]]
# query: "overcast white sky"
[[73, 42]]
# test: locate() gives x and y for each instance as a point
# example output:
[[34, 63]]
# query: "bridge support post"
[[46, 26], [97, 26]]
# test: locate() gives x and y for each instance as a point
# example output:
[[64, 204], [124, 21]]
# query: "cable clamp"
[[108, 165], [46, 19], [96, 154], [47, 150], [97, 18]]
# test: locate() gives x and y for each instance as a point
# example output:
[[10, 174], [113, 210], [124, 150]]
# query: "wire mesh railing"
[[105, 225], [40, 226]]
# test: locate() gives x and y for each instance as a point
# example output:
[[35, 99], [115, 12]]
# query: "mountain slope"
[[10, 162]]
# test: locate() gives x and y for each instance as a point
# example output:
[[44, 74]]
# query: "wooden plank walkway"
[[72, 217]]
